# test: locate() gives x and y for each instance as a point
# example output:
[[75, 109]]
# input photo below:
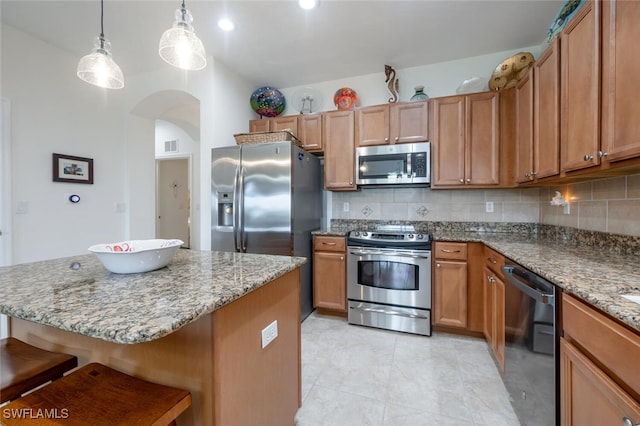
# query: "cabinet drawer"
[[494, 261], [615, 347], [321, 243], [454, 251]]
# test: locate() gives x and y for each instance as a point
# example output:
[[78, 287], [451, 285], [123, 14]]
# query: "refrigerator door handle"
[[236, 208], [243, 241]]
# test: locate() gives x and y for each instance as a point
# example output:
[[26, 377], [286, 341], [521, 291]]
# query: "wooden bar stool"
[[99, 396], [24, 367]]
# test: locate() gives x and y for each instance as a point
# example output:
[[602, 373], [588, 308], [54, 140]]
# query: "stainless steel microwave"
[[400, 164]]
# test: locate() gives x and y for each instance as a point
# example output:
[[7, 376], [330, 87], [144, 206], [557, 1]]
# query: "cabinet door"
[[546, 112], [590, 397], [409, 122], [580, 84], [620, 94], [310, 132], [499, 323], [372, 125], [450, 294], [260, 125], [289, 122], [329, 281], [339, 150], [488, 307], [482, 139], [448, 145], [524, 129]]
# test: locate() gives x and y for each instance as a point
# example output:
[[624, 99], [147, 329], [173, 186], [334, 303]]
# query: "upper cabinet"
[[580, 85], [465, 140], [392, 123], [538, 119], [339, 150], [310, 132], [620, 94], [274, 124]]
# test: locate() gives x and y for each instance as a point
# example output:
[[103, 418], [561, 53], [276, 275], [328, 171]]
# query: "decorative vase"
[[419, 95]]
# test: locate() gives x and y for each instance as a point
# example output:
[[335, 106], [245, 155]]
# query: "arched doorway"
[[177, 155]]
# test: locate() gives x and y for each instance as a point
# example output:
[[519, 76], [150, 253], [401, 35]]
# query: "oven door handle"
[[522, 285], [388, 312], [386, 253]]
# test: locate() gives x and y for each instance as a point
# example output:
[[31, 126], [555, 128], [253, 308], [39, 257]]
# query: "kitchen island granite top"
[[133, 308]]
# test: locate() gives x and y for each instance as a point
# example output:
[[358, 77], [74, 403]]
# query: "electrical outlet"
[[488, 207], [345, 206], [269, 333]]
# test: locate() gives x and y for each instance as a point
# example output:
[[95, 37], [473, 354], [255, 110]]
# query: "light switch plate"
[[489, 207]]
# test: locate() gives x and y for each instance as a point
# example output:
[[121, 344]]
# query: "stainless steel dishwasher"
[[532, 342]]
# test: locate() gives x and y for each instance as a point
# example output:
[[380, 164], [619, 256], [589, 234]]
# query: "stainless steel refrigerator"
[[267, 198]]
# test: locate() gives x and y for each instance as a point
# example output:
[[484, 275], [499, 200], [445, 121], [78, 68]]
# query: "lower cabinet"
[[599, 380], [330, 273], [457, 288], [494, 329]]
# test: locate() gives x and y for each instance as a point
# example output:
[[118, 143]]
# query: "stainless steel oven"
[[531, 350], [389, 279]]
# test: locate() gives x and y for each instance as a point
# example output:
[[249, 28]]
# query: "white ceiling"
[[277, 43]]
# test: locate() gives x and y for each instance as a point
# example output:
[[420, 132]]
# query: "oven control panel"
[[391, 239]]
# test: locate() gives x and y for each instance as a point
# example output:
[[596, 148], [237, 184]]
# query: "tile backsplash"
[[605, 205]]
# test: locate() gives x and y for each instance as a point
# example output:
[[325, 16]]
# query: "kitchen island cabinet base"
[[218, 358]]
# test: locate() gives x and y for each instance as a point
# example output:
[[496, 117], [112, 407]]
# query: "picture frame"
[[72, 169]]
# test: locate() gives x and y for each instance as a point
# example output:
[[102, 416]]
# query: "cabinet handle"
[[449, 251], [468, 180], [527, 175], [490, 279], [588, 157], [492, 260], [328, 244], [438, 265], [341, 257], [602, 154], [397, 138], [350, 182], [461, 180], [533, 174], [626, 421], [386, 139]]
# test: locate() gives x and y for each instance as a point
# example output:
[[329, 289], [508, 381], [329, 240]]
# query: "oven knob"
[[410, 236], [420, 236], [356, 234], [364, 234]]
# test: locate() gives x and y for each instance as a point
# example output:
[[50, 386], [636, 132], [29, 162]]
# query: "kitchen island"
[[195, 324]]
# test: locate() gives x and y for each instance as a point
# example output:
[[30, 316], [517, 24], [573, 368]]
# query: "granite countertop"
[[594, 274], [133, 308]]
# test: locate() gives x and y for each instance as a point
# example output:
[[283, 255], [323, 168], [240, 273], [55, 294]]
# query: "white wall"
[[55, 112]]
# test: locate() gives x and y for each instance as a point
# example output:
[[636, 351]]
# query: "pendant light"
[[98, 67], [180, 46]]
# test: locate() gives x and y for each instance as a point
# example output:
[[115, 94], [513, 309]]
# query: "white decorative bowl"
[[131, 257]]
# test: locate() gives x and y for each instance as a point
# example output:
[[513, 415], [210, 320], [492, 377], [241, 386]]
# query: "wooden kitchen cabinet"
[[310, 132], [450, 284], [338, 140], [580, 86], [274, 124], [620, 92], [466, 140], [524, 129], [392, 123], [330, 273], [494, 304], [599, 380]]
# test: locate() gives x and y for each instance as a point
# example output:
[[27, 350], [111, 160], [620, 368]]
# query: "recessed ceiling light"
[[226, 25], [308, 4]]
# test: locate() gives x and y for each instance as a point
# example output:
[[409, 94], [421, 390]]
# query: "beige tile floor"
[[357, 376]]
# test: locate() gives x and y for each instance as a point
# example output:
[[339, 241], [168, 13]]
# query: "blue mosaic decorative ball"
[[268, 102]]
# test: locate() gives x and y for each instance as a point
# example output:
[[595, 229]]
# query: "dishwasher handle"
[[526, 287]]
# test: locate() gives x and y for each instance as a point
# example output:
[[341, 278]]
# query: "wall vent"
[[171, 146]]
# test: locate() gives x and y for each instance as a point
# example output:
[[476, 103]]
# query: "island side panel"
[[183, 359], [256, 386]]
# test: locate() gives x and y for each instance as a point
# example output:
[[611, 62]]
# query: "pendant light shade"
[[180, 46], [98, 67]]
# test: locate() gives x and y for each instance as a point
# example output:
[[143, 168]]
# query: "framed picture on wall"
[[68, 168]]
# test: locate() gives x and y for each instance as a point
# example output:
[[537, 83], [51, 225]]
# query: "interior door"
[[173, 195]]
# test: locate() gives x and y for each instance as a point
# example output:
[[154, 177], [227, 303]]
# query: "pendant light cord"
[[102, 18]]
